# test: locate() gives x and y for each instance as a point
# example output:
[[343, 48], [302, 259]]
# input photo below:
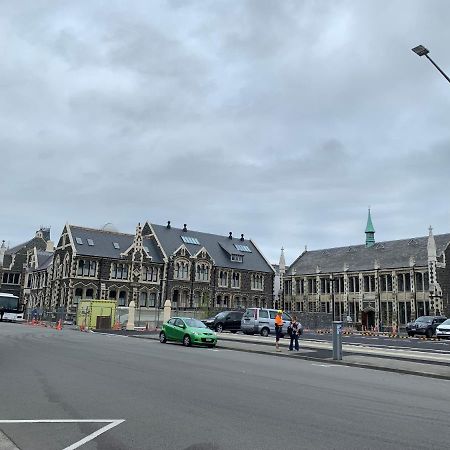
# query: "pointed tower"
[[435, 288], [2, 252], [370, 232]]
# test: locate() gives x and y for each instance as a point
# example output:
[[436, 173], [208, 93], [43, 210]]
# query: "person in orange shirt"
[[278, 329]]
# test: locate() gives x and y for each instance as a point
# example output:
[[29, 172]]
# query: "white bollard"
[[167, 310], [131, 310]]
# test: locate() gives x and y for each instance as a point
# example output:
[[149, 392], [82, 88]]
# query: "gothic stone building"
[[384, 284], [191, 268], [13, 260]]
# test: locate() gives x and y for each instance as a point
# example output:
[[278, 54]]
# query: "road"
[[173, 397]]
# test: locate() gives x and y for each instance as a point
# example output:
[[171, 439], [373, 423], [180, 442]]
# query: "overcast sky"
[[282, 120]]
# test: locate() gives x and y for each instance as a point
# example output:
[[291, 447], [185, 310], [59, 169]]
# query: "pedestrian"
[[295, 331], [278, 329]]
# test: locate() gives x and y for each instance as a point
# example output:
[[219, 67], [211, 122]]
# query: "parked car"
[[262, 321], [225, 320], [188, 331], [424, 325], [443, 330]]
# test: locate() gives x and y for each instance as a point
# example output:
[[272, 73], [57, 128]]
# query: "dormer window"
[[237, 258]]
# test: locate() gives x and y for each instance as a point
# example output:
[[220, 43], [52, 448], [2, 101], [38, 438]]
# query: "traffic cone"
[[58, 325]]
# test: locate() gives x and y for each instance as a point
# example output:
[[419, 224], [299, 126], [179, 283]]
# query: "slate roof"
[[217, 246], [44, 260], [104, 243], [388, 254]]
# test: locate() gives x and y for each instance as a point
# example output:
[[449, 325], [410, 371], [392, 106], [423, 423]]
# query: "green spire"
[[370, 232]]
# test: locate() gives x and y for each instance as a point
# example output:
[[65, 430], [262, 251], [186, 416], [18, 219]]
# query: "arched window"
[[112, 294], [90, 293], [122, 298], [143, 299], [152, 300], [78, 295], [177, 270]]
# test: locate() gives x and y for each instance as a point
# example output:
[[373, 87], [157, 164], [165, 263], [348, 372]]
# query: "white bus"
[[10, 309]]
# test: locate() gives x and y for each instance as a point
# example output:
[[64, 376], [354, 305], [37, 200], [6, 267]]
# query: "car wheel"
[[162, 337], [410, 334], [187, 340], [219, 328], [211, 345], [429, 333], [265, 332], [234, 331]]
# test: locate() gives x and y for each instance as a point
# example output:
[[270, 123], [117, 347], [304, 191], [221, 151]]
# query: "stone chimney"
[[50, 247]]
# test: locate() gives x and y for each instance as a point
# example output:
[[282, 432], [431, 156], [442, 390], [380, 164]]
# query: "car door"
[[286, 321], [237, 316], [228, 322], [272, 314], [179, 330], [168, 329]]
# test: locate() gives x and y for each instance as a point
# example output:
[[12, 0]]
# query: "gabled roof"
[[104, 243], [388, 255], [219, 247]]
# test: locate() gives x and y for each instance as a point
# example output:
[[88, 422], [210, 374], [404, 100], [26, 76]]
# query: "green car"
[[188, 331]]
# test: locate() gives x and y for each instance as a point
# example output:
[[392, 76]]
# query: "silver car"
[[443, 330], [262, 321]]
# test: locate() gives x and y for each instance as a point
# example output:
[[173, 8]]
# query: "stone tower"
[[435, 288]]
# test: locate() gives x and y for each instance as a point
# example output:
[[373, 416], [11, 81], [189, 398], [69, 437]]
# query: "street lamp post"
[[332, 297], [422, 51]]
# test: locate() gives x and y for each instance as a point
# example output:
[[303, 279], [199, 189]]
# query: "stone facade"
[[380, 285], [148, 267]]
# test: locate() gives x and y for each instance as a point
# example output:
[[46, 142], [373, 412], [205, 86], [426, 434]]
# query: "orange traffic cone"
[[58, 325]]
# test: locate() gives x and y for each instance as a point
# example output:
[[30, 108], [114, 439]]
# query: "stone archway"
[[368, 318]]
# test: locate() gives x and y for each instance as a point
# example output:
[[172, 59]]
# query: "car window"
[[171, 321], [286, 317], [272, 314], [179, 323], [446, 322], [249, 313], [442, 320], [221, 315], [194, 323], [263, 314]]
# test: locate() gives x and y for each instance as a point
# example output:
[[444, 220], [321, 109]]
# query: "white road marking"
[[111, 423]]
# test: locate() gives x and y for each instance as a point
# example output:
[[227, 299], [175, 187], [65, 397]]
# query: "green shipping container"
[[96, 314]]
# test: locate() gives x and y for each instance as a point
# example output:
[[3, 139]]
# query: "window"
[[223, 278], [150, 274], [242, 248], [112, 295], [90, 293], [11, 278], [386, 283], [119, 271], [404, 282], [90, 242], [235, 280], [272, 314], [86, 268], [79, 240], [257, 282], [78, 295], [122, 298], [152, 300], [116, 245], [190, 240], [182, 270], [143, 299], [369, 283], [353, 284], [325, 285], [237, 258], [263, 314]]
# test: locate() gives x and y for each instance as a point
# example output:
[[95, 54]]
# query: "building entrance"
[[368, 319]]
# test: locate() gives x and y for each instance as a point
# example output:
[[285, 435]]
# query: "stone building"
[[193, 269], [379, 285], [13, 260]]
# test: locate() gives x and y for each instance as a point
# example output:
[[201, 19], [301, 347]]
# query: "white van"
[[262, 321]]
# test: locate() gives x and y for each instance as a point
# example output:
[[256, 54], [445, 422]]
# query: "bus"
[[10, 309]]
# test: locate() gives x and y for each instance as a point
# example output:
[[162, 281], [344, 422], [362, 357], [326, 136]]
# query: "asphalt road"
[[173, 397]]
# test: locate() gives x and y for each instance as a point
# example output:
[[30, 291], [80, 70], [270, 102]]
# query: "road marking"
[[111, 423]]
